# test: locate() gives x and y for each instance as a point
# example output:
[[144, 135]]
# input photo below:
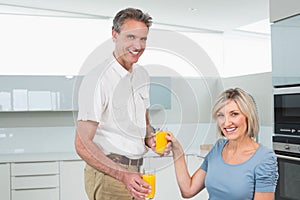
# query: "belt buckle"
[[133, 162], [116, 158]]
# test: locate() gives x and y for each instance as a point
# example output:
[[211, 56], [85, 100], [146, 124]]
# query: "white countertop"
[[38, 157], [62, 156]]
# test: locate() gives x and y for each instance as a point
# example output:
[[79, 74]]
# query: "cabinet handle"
[[44, 188]]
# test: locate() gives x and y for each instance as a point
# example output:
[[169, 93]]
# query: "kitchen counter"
[[59, 156], [38, 157]]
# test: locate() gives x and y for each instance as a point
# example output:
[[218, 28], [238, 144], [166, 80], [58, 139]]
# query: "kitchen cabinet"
[[5, 181], [35, 181], [283, 9], [45, 194], [72, 180], [64, 179], [285, 52], [38, 93], [47, 180], [160, 93], [60, 93]]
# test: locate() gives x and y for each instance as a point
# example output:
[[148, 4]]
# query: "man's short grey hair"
[[130, 13]]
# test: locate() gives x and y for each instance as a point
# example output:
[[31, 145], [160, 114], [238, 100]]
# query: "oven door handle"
[[288, 157]]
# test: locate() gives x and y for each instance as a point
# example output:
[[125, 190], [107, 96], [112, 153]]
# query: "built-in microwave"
[[287, 111]]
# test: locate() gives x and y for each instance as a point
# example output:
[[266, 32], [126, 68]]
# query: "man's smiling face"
[[130, 42]]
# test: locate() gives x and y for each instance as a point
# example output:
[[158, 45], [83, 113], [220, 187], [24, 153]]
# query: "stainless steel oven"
[[287, 149], [287, 111]]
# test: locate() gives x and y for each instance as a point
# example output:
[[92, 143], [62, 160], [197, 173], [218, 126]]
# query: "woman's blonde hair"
[[245, 103]]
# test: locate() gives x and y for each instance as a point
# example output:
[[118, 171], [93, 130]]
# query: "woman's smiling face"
[[231, 121]]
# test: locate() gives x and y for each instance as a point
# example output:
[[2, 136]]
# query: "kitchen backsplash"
[[37, 140], [61, 139], [30, 140]]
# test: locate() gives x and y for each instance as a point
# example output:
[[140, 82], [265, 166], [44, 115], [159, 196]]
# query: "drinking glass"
[[149, 177], [161, 141]]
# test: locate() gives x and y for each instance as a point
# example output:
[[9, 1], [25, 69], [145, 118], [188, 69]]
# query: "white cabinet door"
[[37, 194], [34, 168], [285, 52], [72, 180], [5, 181], [35, 181]]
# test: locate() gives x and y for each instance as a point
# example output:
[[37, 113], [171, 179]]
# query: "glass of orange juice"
[[161, 141], [149, 177]]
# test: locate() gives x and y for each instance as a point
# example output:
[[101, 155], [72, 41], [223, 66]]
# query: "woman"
[[237, 167]]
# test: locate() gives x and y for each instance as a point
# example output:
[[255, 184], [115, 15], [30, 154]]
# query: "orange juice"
[[150, 179], [161, 141]]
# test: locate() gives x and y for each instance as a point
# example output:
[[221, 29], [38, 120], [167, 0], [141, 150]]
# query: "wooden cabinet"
[[35, 181], [5, 181], [72, 180]]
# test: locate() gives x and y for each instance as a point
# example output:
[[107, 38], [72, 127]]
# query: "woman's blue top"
[[239, 181]]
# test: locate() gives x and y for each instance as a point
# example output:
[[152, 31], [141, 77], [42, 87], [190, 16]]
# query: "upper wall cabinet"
[[280, 9], [160, 93], [285, 52], [60, 93], [38, 93]]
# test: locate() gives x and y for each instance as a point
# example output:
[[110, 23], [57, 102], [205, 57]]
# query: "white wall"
[[60, 46], [245, 54], [48, 45], [236, 53]]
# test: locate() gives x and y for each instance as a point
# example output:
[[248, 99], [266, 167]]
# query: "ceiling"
[[212, 15]]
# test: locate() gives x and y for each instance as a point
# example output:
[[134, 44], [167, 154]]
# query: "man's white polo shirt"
[[118, 100]]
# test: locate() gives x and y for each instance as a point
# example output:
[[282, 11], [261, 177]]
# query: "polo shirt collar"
[[119, 68]]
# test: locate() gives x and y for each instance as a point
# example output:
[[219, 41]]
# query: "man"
[[113, 131]]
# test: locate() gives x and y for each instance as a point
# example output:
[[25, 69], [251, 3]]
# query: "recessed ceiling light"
[[193, 9]]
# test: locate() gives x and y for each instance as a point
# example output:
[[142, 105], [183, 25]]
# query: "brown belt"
[[124, 160]]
